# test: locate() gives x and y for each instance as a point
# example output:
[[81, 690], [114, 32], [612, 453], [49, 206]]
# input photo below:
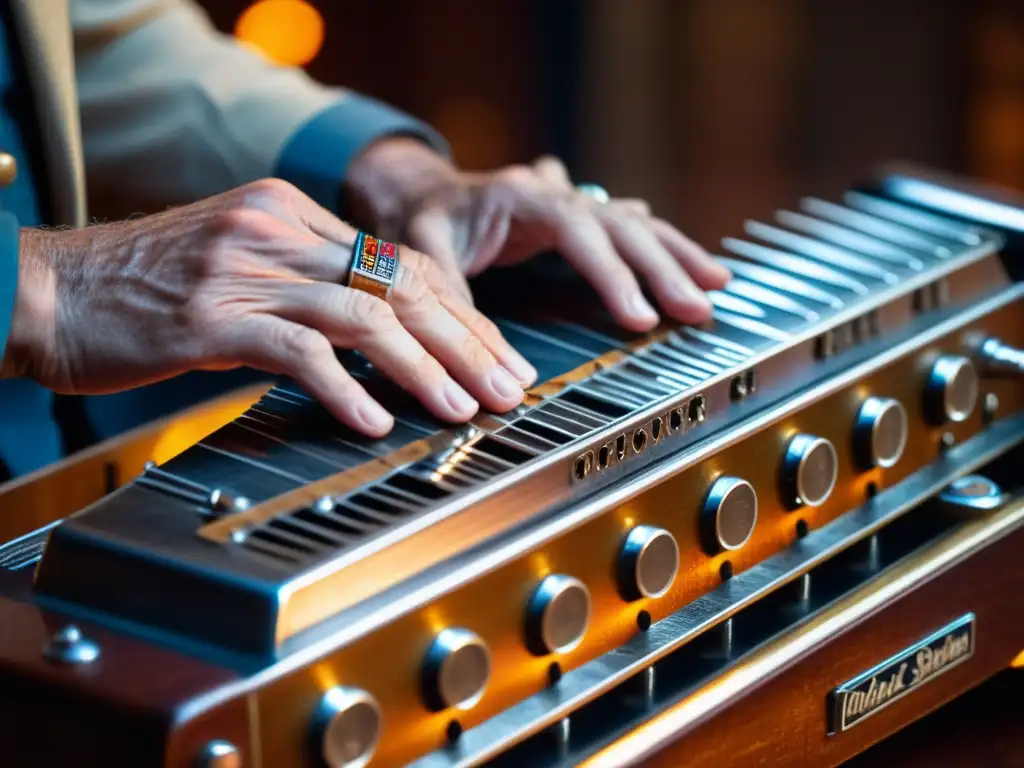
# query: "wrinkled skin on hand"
[[470, 222], [250, 278]]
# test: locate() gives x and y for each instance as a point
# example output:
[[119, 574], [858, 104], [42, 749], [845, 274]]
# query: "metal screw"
[[324, 505], [69, 646], [239, 535]]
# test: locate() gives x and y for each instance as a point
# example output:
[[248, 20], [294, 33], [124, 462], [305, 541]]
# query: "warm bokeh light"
[[1018, 663], [288, 32]]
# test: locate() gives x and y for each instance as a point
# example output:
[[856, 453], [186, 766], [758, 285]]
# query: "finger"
[[632, 205], [586, 245], [287, 201], [707, 272], [458, 349], [551, 170], [278, 346], [430, 232], [675, 291], [356, 320], [463, 311]]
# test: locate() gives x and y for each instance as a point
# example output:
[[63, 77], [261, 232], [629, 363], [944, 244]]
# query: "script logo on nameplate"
[[874, 690]]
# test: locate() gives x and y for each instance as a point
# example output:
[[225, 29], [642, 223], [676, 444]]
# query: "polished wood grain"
[[784, 722], [124, 709]]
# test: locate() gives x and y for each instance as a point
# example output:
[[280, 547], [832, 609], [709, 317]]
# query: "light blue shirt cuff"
[[9, 243], [317, 156]]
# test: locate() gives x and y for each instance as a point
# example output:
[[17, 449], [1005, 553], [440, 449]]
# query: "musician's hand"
[[249, 278], [471, 221]]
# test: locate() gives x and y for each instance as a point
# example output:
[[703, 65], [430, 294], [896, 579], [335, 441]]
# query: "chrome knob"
[[729, 515], [557, 615], [996, 359], [951, 391], [809, 469], [879, 433], [456, 670], [346, 727], [648, 562]]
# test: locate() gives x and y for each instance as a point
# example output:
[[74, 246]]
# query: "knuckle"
[[269, 190], [412, 291], [516, 176], [368, 314], [483, 327], [410, 260], [304, 344], [241, 220]]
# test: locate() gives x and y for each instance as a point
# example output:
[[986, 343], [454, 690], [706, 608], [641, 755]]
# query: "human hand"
[[471, 221], [252, 278]]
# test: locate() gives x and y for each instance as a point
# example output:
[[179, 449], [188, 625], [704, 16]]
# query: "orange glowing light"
[[288, 32], [1018, 663]]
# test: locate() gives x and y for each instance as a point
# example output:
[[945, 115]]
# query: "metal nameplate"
[[872, 691]]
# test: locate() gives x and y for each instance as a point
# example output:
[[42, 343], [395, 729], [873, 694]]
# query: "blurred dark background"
[[713, 110]]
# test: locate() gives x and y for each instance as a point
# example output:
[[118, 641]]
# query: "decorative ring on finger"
[[374, 263], [594, 191]]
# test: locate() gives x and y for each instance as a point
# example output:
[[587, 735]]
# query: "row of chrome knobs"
[[457, 665]]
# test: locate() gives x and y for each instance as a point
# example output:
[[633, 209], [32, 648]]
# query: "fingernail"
[[374, 416], [642, 309], [458, 399], [504, 384], [520, 368]]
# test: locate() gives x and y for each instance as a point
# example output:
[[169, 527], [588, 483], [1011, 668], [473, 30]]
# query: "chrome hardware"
[[989, 406], [995, 359], [972, 494], [729, 515], [744, 385], [69, 646], [952, 390], [324, 505], [456, 670], [648, 562], [809, 469], [8, 169], [219, 754], [346, 727], [223, 502], [557, 615], [880, 433]]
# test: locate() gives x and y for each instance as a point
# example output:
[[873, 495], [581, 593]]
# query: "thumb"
[[431, 233]]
